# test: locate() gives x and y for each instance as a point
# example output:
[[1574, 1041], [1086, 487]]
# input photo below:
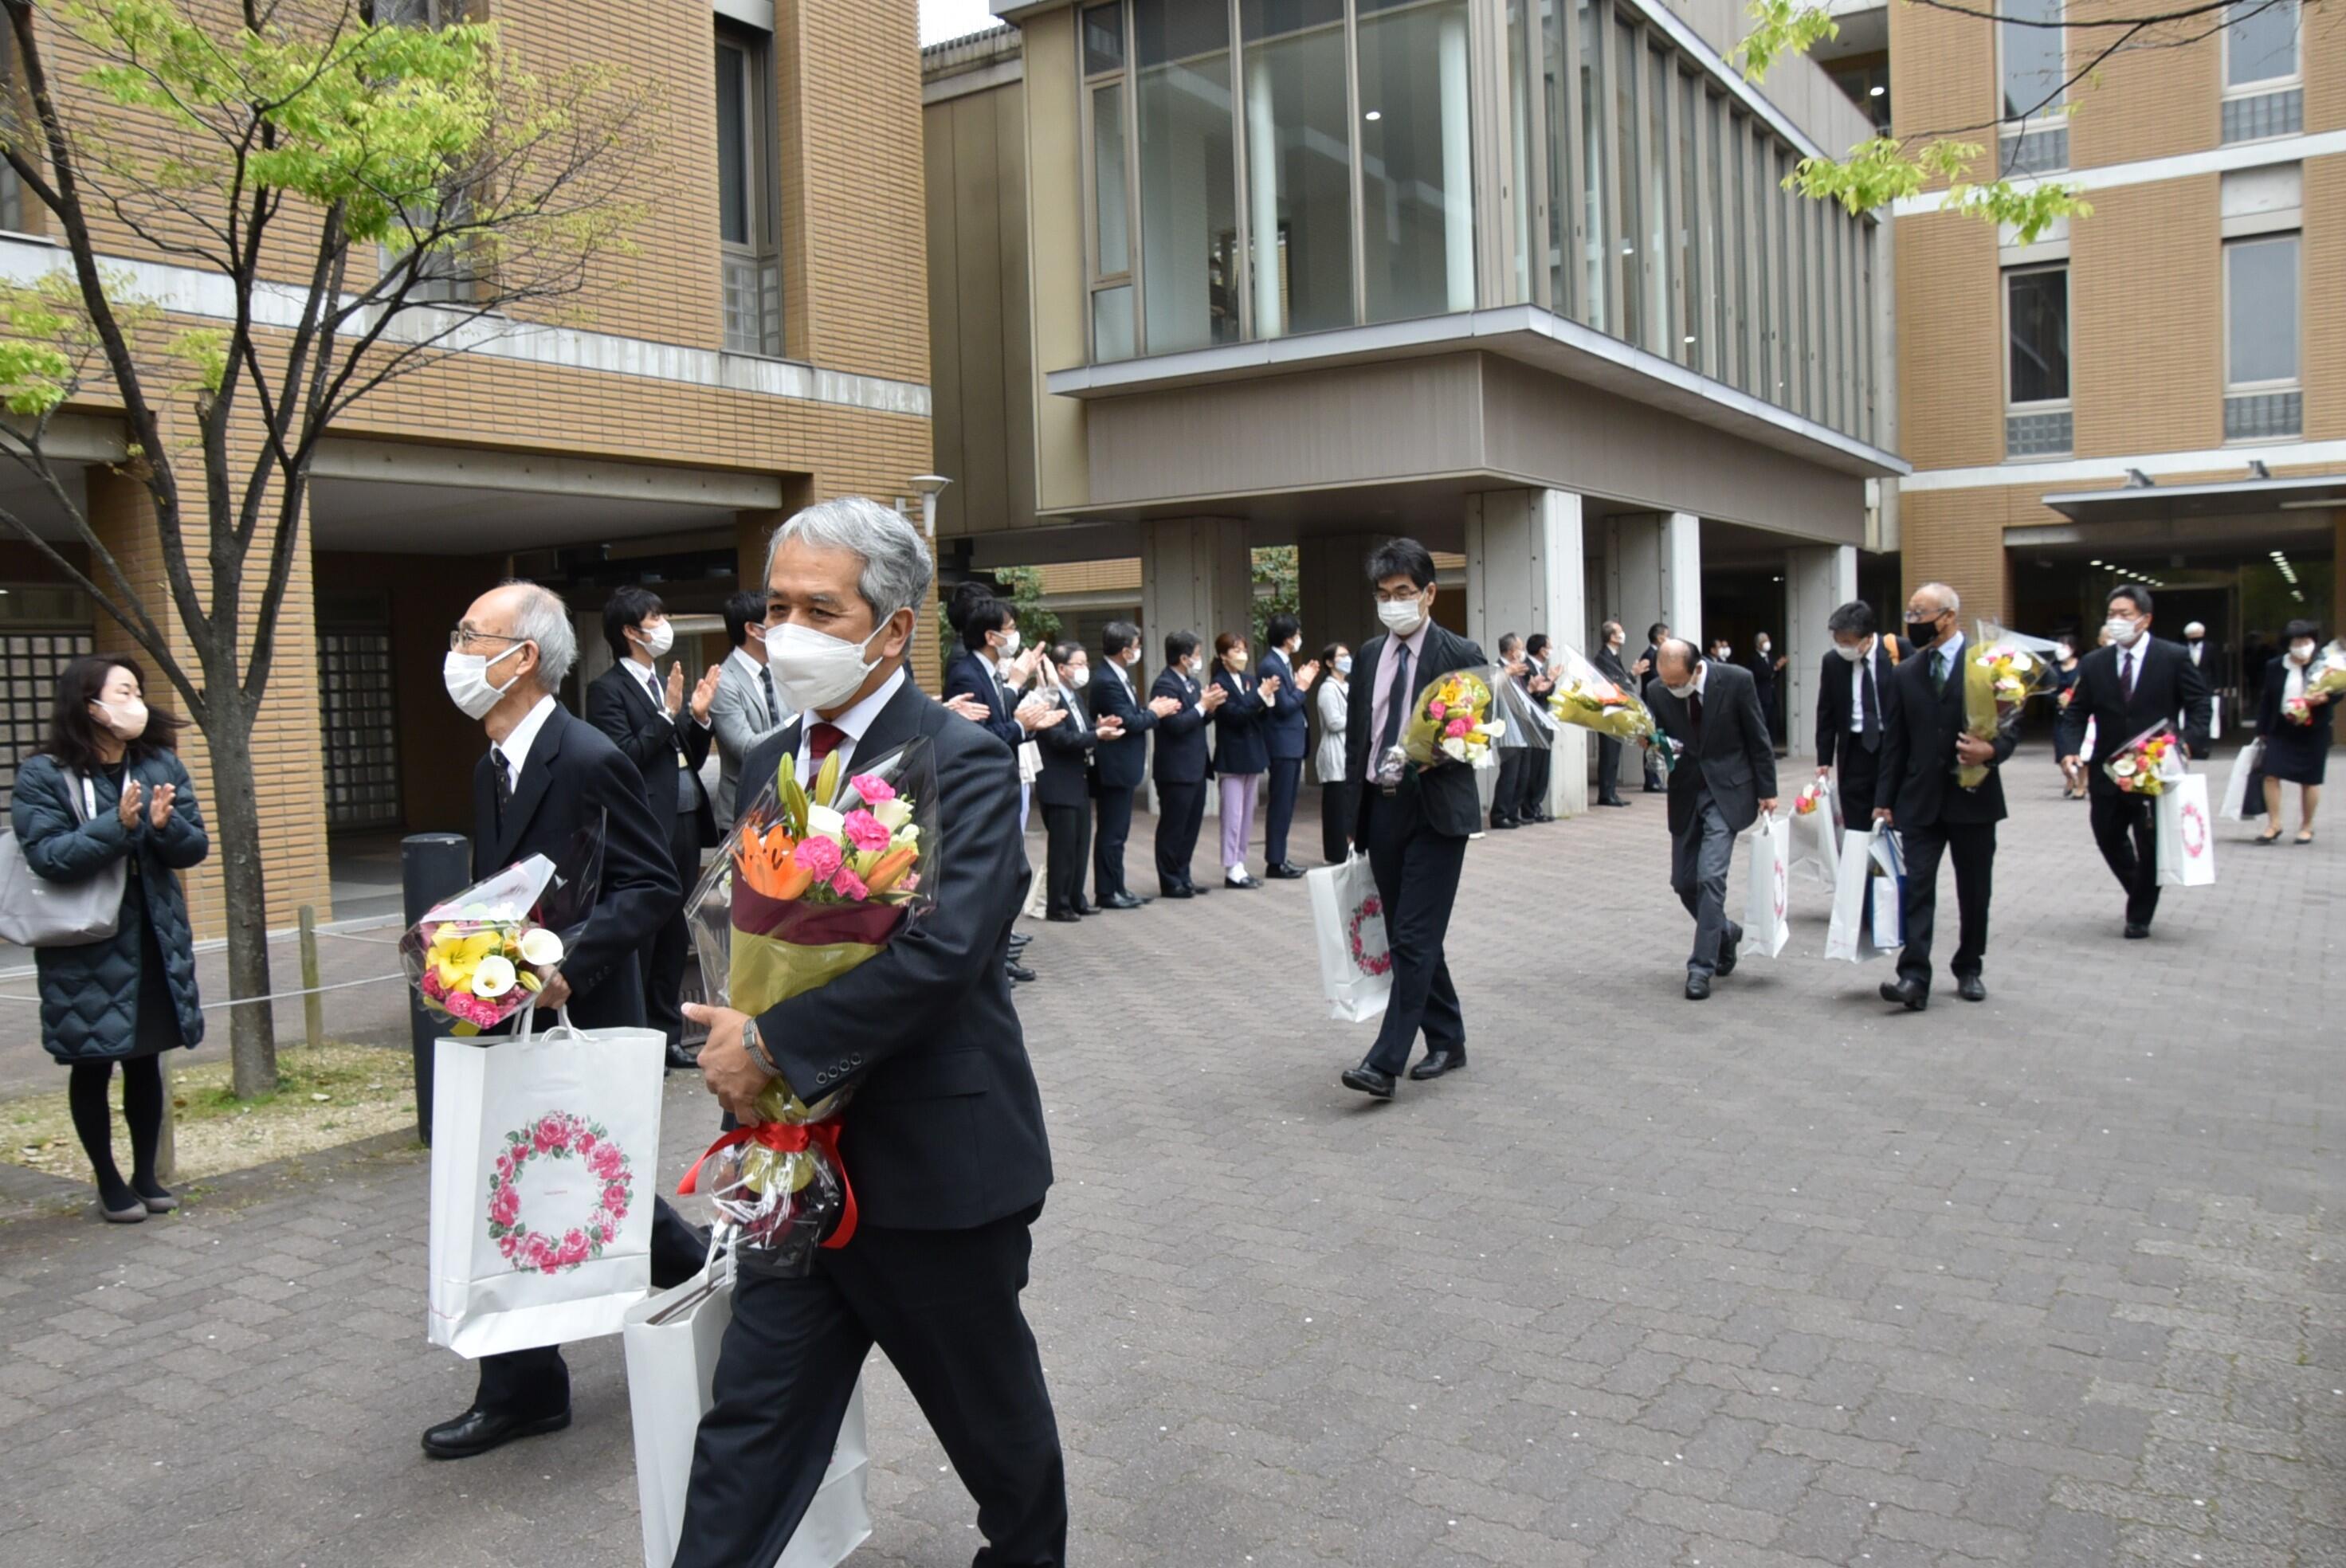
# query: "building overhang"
[[1523, 333], [2175, 503]]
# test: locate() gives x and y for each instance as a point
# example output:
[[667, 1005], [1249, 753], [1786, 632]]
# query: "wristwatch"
[[752, 1043]]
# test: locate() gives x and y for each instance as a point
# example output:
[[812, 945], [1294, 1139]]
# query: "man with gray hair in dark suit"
[[1725, 776]]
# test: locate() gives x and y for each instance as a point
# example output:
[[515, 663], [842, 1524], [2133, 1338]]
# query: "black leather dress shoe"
[[680, 1060], [1196, 892], [1436, 1064], [1241, 881], [1018, 973], [1539, 816], [1064, 917], [478, 1431], [1726, 954], [1370, 1080], [2137, 929], [1698, 987], [1614, 802], [1911, 994], [1121, 901], [1971, 987], [1285, 871], [1656, 789], [1176, 893]]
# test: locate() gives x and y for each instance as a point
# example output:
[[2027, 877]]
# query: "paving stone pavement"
[[1782, 1278]]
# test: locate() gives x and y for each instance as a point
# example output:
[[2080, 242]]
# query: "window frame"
[[760, 156], [2293, 76], [2063, 404], [2052, 117], [2292, 382]]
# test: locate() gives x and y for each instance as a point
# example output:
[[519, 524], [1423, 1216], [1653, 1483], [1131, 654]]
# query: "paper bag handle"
[[562, 1028]]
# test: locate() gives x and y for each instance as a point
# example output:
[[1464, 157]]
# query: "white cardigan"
[[1335, 700]]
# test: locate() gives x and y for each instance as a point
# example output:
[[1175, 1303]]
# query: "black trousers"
[[1539, 763], [1069, 830], [1180, 810], [1339, 803], [2126, 828], [1508, 795], [1608, 768], [1971, 846], [1279, 813], [1856, 771], [1417, 870], [944, 1306], [537, 1381], [1114, 829], [663, 961]]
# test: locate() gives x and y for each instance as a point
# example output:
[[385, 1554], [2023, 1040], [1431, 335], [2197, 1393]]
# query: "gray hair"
[[544, 619], [1948, 600], [896, 567]]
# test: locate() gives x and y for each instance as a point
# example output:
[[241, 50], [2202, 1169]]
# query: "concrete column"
[[1332, 592], [1654, 573], [1817, 580], [1523, 575], [1195, 576]]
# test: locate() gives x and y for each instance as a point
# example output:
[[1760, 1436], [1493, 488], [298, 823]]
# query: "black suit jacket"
[[1123, 762], [1239, 740], [1181, 757], [2168, 684], [1453, 805], [946, 1129], [619, 705], [1066, 779], [1287, 727], [970, 676], [1735, 755], [572, 778], [2270, 723], [1917, 781], [1835, 684], [1608, 664]]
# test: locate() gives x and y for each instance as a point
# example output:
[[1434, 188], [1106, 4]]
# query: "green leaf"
[[1780, 27], [826, 781]]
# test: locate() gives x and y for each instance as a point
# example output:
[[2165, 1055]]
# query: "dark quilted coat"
[[89, 993]]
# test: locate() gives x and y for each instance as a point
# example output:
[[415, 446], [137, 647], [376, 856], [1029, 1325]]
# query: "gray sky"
[[943, 19]]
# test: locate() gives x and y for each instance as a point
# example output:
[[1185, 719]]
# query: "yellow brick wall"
[[2155, 98], [2321, 42], [1956, 537], [2145, 319], [1941, 72], [1949, 341], [2323, 263]]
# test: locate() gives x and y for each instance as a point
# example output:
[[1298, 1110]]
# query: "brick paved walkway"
[[1781, 1279]]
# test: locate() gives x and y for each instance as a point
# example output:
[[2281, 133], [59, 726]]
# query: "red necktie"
[[823, 740]]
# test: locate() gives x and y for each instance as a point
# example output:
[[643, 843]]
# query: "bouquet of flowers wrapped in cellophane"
[[2325, 676], [810, 883], [2148, 763], [1818, 796], [1451, 721], [1585, 698], [480, 956], [1999, 677]]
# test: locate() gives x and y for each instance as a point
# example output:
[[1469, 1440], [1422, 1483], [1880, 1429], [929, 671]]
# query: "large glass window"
[[1416, 159], [1767, 319], [2260, 42], [1599, 305], [2038, 331], [1719, 358], [2030, 58], [1661, 280], [1694, 329], [1111, 209], [750, 267], [1629, 183], [1561, 213], [2260, 311], [1299, 165], [1189, 197]]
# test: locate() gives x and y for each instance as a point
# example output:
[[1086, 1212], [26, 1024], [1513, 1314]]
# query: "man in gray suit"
[[1725, 776], [744, 710]]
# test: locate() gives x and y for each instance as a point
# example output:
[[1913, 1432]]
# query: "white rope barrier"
[[250, 1001]]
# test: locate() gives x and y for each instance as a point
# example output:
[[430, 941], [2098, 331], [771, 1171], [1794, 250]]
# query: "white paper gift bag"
[[545, 1156], [1768, 893], [1888, 891], [2236, 787], [1816, 842], [1349, 918], [1857, 933], [672, 1342], [2187, 844]]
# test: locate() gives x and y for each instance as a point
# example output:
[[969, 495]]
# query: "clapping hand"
[[968, 707], [158, 810], [1164, 707], [704, 692], [128, 806], [1642, 666], [1111, 728], [1047, 719], [674, 688], [1022, 667], [1305, 675], [1216, 695], [1269, 689]]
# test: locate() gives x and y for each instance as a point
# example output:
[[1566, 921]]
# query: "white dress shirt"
[[851, 724], [516, 746]]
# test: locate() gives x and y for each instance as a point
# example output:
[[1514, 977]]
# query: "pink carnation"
[[1456, 728], [864, 831], [819, 858], [1437, 710], [848, 885], [871, 789]]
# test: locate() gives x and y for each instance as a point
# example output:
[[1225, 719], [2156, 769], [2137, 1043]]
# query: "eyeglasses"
[[1401, 597], [461, 636]]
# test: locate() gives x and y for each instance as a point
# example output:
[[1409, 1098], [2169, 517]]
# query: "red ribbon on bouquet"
[[787, 1138]]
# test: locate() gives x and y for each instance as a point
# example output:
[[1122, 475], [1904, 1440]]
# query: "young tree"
[[366, 193], [1886, 168]]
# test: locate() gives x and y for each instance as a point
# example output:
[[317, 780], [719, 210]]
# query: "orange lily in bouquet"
[[810, 883], [2145, 765]]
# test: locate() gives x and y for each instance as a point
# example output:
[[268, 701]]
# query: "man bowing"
[[944, 1136], [1726, 776]]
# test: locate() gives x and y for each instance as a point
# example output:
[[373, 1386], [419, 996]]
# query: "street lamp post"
[[929, 484]]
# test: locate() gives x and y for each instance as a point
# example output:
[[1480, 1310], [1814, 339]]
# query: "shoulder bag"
[[37, 913]]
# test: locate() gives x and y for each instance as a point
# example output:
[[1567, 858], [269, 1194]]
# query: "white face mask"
[[657, 639], [1763, 645], [1401, 617], [1680, 692], [2123, 632], [1854, 652], [1344, 664], [2063, 651], [2299, 653], [1194, 665], [813, 670], [127, 719], [1079, 677], [466, 676], [1010, 643]]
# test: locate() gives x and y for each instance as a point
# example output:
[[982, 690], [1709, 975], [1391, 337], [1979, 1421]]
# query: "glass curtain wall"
[[1417, 194], [1299, 165], [1189, 174]]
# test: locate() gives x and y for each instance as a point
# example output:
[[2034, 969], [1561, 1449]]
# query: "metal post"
[[432, 866], [314, 1009]]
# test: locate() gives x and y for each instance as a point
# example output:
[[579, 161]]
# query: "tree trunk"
[[236, 841]]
